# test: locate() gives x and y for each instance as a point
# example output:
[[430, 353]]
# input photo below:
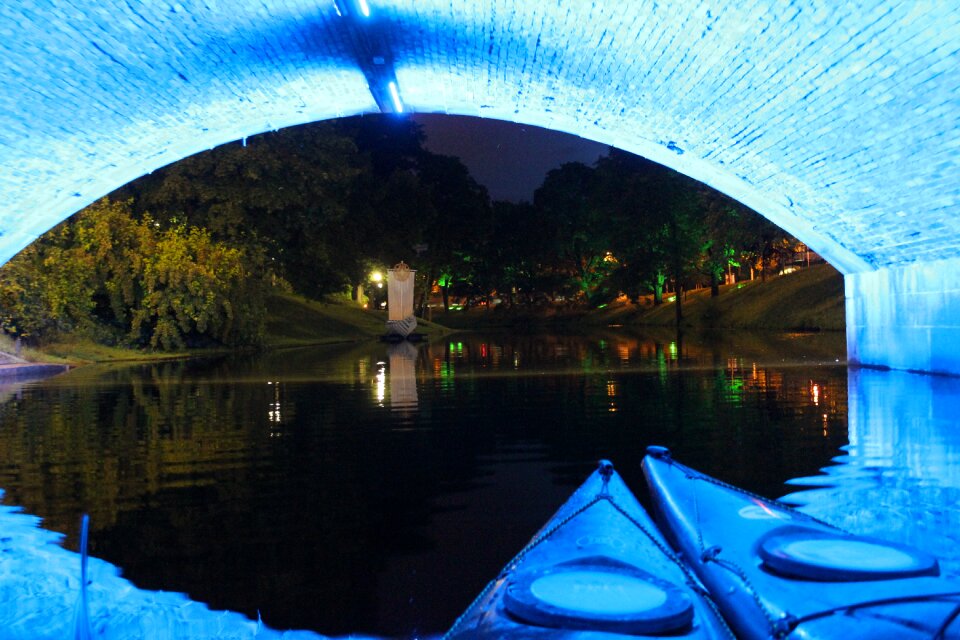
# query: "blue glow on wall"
[[906, 317], [395, 97], [839, 122]]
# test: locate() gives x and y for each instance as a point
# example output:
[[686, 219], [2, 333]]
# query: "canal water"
[[376, 489]]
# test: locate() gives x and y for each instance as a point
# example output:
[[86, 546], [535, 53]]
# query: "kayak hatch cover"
[[597, 569]]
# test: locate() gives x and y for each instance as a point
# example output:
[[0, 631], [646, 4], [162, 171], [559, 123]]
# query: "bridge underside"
[[840, 123]]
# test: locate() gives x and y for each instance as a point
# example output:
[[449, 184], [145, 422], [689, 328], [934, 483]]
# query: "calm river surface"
[[376, 489]]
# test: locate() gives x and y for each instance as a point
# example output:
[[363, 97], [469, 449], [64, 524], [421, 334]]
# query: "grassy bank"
[[292, 321], [806, 300]]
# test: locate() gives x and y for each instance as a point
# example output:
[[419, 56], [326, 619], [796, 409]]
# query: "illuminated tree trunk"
[[658, 281], [678, 282]]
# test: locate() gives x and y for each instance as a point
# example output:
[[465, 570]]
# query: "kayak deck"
[[777, 573], [597, 569]]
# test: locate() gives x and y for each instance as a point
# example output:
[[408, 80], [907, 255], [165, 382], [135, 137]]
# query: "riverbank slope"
[[292, 321], [806, 300]]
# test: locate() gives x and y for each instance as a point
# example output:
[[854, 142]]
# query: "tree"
[[196, 290], [286, 192], [576, 228], [457, 221], [660, 221], [410, 197], [115, 278], [725, 221], [762, 241], [677, 195], [38, 299], [109, 236], [512, 259], [627, 193]]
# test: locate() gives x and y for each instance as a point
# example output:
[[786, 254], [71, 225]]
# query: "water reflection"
[[380, 383], [403, 378], [899, 477], [344, 489]]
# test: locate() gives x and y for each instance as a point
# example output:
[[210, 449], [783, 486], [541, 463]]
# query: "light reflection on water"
[[374, 488], [899, 476]]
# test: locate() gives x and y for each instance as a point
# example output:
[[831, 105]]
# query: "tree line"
[[187, 255], [119, 279]]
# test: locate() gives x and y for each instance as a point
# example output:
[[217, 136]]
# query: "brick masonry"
[[840, 121], [906, 317]]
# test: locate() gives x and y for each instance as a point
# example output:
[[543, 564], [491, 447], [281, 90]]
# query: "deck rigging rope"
[[794, 622], [787, 623], [941, 632], [712, 554]]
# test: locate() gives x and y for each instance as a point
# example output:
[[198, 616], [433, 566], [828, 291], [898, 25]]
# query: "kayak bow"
[[597, 569]]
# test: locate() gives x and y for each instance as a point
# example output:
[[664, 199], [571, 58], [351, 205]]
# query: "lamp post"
[[376, 291]]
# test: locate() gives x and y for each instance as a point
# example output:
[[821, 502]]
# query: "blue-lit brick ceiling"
[[837, 120]]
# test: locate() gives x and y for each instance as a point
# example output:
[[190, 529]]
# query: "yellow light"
[[376, 276], [380, 382]]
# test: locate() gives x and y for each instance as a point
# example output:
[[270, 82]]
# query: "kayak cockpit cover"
[[598, 593], [813, 554]]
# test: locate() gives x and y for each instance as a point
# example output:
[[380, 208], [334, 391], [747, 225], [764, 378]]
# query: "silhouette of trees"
[[186, 255]]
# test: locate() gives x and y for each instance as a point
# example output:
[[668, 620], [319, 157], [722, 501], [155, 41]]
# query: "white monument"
[[400, 319]]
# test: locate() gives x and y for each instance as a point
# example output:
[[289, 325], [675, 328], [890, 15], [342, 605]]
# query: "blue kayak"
[[597, 569], [777, 573]]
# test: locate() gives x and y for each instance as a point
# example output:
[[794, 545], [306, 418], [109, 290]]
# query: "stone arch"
[[839, 123]]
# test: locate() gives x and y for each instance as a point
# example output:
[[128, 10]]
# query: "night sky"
[[509, 159]]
